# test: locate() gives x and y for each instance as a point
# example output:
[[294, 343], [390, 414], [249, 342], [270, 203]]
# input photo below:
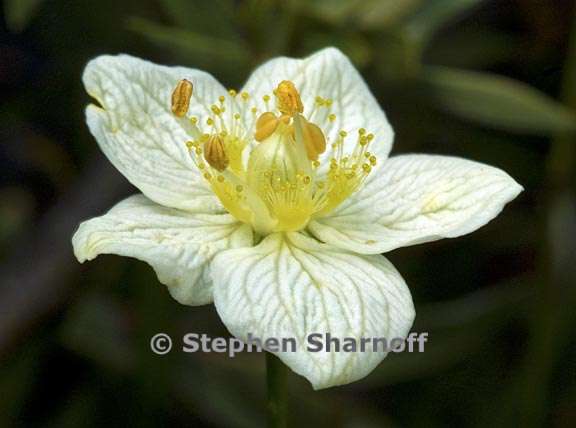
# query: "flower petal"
[[415, 199], [290, 286], [138, 133], [177, 244], [330, 75]]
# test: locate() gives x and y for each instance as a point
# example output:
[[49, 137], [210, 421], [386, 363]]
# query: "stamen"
[[215, 153], [288, 99], [181, 98], [314, 140], [265, 126]]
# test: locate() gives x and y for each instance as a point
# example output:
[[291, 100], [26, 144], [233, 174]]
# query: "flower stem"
[[276, 376]]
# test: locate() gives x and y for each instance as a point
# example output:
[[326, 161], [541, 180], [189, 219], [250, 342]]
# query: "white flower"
[[276, 202]]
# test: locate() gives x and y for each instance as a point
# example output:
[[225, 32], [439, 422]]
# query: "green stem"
[[276, 377]]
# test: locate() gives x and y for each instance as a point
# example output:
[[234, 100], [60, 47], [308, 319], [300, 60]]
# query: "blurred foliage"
[[472, 78]]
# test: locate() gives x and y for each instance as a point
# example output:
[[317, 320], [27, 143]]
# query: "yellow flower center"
[[280, 185]]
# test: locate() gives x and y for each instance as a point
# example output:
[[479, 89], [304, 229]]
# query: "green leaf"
[[436, 13], [215, 17], [334, 12], [497, 102], [19, 12], [381, 14], [199, 46]]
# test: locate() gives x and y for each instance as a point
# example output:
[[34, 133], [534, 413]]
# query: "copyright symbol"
[[161, 343]]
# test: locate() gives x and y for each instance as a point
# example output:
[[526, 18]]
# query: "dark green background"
[[493, 81]]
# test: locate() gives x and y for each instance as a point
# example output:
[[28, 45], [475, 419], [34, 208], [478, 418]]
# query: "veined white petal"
[[328, 74], [138, 133], [415, 199], [290, 286], [179, 245]]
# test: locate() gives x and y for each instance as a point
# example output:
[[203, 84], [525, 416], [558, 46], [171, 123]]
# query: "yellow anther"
[[314, 140], [239, 188], [209, 121], [288, 99], [215, 153], [328, 102], [367, 168], [193, 120], [221, 98], [181, 98], [220, 178], [343, 134], [265, 126], [215, 109], [254, 110], [207, 176], [316, 164], [245, 95], [372, 160], [232, 92], [307, 179], [237, 116], [370, 137], [361, 131], [331, 117], [266, 98], [189, 144]]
